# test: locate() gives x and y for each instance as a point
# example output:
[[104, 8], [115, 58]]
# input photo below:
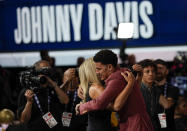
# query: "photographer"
[[70, 84], [39, 104]]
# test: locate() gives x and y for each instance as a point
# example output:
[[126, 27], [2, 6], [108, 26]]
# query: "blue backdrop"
[[167, 17]]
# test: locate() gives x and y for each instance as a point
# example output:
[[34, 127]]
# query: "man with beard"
[[40, 108], [170, 92]]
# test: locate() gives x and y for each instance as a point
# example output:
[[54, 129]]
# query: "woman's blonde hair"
[[87, 75]]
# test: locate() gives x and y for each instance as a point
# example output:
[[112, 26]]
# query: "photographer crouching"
[[40, 102]]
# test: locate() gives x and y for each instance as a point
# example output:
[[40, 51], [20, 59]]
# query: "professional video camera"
[[30, 78]]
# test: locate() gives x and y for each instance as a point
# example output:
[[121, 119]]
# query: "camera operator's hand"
[[69, 74], [29, 95], [70, 80], [52, 83], [62, 96], [26, 113]]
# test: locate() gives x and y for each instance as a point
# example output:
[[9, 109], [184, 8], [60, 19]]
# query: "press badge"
[[66, 119], [50, 120], [162, 119]]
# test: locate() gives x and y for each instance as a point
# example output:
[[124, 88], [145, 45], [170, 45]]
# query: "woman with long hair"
[[92, 88]]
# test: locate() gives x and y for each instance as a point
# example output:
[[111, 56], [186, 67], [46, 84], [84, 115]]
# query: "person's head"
[[149, 71], [6, 116], [71, 79], [42, 64], [106, 63], [162, 70], [87, 74]]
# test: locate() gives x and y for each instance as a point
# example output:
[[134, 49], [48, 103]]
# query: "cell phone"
[[133, 71]]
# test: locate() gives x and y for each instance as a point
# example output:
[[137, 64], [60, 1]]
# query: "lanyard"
[[74, 99], [165, 89], [165, 92], [38, 102]]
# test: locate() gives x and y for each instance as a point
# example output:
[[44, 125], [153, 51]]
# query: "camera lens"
[[43, 80]]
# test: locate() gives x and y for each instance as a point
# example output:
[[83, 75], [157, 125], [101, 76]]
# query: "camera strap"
[[38, 102]]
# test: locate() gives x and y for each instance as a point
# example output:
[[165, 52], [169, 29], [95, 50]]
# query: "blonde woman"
[[92, 88]]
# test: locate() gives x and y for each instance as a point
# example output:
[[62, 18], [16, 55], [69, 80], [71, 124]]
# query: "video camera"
[[30, 78]]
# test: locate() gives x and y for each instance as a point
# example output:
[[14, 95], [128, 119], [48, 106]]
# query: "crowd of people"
[[99, 94]]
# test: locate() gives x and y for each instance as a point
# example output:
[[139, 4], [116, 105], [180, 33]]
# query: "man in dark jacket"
[[170, 92]]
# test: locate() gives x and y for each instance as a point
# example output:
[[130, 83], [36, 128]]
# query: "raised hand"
[[29, 95], [129, 77]]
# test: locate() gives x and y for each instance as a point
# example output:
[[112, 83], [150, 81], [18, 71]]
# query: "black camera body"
[[30, 78], [77, 72]]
